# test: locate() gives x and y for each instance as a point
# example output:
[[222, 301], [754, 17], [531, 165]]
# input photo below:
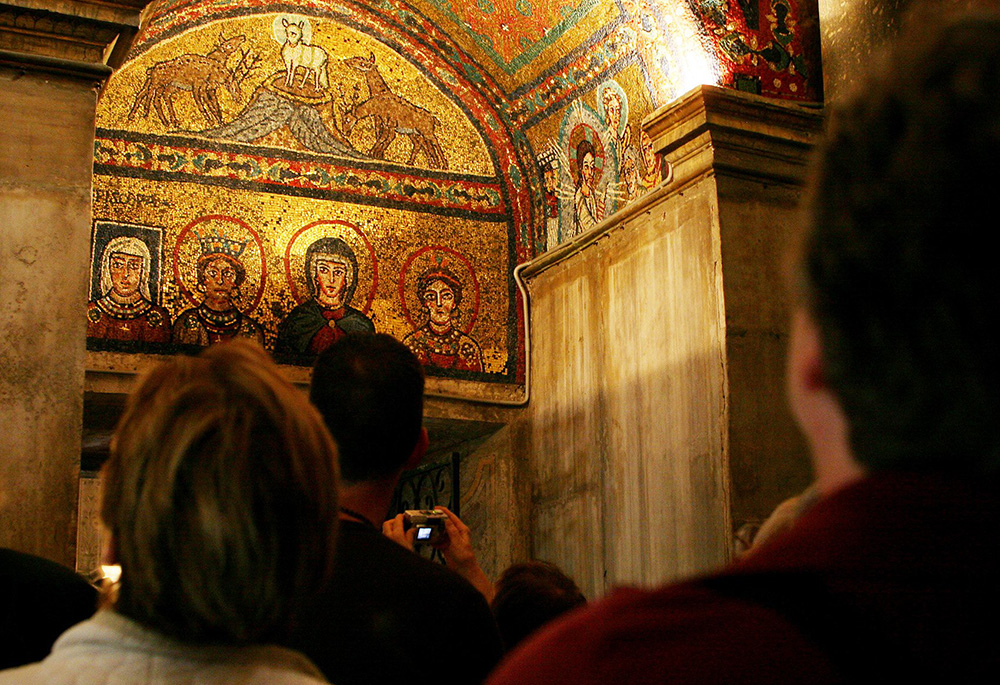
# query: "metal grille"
[[426, 487]]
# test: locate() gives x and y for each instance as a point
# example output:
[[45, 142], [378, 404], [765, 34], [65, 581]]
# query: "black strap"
[[360, 517]]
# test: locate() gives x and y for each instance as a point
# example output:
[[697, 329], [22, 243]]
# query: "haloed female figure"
[[331, 270], [124, 311], [438, 342], [216, 319]]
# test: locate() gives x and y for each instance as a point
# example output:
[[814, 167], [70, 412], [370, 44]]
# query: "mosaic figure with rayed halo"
[[440, 291], [220, 272], [589, 202], [331, 273], [588, 186], [124, 309]]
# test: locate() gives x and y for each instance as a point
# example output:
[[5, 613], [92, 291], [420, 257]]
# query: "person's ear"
[[806, 368], [109, 547], [419, 450]]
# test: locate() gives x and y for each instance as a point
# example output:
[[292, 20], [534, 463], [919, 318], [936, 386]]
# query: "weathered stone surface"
[[45, 215], [52, 60], [658, 422]]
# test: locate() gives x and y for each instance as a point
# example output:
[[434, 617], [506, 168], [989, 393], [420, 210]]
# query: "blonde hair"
[[220, 495], [133, 247]]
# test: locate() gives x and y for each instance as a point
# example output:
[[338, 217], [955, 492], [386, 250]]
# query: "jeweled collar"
[[227, 319], [123, 310]]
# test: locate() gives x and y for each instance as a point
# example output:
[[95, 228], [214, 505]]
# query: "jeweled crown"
[[219, 243]]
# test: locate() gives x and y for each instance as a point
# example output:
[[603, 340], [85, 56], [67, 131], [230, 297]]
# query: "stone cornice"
[[80, 38], [727, 132]]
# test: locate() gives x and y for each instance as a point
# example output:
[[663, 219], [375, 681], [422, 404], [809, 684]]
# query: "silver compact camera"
[[428, 522]]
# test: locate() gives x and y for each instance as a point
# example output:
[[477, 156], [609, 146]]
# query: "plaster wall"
[[45, 182]]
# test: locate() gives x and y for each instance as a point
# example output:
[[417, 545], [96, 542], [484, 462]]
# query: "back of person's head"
[[529, 595], [895, 269], [369, 388], [220, 496]]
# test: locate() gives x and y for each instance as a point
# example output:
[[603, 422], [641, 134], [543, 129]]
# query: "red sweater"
[[892, 578]]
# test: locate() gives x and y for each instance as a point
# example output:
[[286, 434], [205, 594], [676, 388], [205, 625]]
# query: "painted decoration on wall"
[[300, 170]]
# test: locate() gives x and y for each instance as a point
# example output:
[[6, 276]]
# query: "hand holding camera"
[[444, 531], [456, 544], [428, 523], [417, 527]]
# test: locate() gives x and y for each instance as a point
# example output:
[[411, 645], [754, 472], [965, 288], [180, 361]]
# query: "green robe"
[[305, 321]]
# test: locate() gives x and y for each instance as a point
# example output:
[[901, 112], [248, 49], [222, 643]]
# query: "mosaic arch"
[[300, 170]]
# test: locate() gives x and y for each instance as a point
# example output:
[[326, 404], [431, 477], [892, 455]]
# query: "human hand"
[[456, 547], [394, 530]]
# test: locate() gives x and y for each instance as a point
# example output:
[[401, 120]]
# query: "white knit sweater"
[[112, 649]]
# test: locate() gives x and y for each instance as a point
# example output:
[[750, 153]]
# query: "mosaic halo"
[[438, 256], [612, 86], [278, 28], [188, 249], [295, 258]]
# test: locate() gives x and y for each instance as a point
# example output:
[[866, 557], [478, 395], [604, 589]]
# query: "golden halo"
[[295, 259], [188, 250], [436, 256]]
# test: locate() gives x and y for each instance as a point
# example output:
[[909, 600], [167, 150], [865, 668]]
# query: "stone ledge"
[[728, 132], [69, 37], [24, 61]]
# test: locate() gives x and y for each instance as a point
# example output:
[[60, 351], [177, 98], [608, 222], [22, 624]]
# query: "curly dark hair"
[[446, 276], [893, 267]]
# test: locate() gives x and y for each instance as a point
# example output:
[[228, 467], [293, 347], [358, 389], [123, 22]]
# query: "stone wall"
[[52, 61]]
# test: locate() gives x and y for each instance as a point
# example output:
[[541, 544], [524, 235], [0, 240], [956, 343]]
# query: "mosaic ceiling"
[[296, 171]]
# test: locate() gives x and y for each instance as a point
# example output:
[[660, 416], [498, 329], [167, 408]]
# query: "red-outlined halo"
[[580, 133], [293, 284], [227, 219], [474, 313]]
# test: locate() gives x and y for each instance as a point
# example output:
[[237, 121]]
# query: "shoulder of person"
[[434, 584], [19, 568], [682, 634]]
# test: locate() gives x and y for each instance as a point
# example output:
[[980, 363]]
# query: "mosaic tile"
[[290, 172]]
